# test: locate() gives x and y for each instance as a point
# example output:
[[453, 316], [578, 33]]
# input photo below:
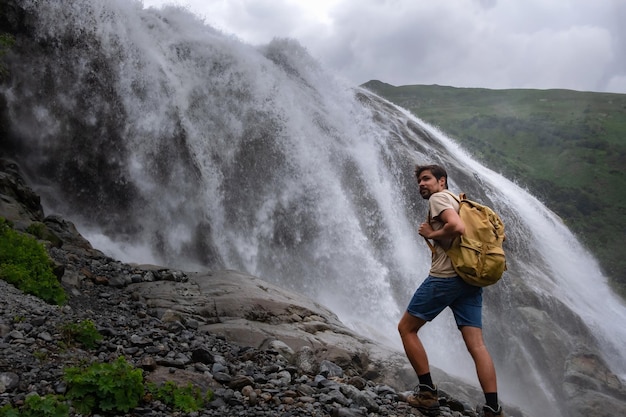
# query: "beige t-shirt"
[[441, 265]]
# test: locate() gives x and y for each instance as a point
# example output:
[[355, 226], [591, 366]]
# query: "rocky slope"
[[260, 349]]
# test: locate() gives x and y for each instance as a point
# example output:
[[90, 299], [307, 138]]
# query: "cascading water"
[[168, 142]]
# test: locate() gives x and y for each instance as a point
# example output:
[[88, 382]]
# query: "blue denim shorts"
[[435, 294]]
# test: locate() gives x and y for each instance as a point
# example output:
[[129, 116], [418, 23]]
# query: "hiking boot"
[[490, 412], [425, 399]]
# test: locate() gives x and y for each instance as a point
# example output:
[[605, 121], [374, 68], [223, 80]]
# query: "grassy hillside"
[[567, 147]]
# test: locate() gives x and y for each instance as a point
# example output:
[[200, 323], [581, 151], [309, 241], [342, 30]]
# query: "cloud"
[[479, 44], [573, 44]]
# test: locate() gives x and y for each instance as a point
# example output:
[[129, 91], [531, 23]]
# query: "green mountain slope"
[[567, 147]]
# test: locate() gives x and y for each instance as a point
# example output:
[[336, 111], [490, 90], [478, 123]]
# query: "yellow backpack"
[[477, 255]]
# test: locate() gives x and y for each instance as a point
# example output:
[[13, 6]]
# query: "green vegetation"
[[25, 264], [186, 399], [567, 147], [41, 355], [41, 232], [36, 406], [84, 332], [110, 389], [114, 387]]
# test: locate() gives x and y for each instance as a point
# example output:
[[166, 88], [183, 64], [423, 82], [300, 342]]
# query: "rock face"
[[252, 312], [19, 202], [592, 388]]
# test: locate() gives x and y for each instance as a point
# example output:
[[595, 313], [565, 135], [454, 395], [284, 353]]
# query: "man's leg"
[[408, 328], [486, 371], [425, 397], [425, 305], [467, 311]]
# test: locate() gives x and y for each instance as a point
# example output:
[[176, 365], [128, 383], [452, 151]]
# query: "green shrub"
[[37, 229], [25, 264], [41, 232], [9, 411], [36, 406], [186, 399], [107, 387], [83, 332]]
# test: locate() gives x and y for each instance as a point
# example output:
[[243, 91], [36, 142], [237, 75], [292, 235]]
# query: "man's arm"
[[453, 226]]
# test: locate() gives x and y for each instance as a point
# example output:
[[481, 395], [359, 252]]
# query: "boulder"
[[591, 387]]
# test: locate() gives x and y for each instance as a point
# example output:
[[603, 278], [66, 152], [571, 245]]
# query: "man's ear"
[[442, 182]]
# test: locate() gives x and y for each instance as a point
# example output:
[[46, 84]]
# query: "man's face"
[[429, 185]]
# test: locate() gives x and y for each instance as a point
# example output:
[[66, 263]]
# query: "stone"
[[202, 355], [305, 360], [148, 363], [240, 381], [330, 370], [9, 381]]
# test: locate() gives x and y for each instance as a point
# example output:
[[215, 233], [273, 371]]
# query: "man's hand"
[[452, 226], [425, 230]]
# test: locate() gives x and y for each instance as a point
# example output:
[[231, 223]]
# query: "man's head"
[[431, 179]]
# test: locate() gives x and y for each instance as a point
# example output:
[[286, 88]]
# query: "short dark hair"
[[437, 171]]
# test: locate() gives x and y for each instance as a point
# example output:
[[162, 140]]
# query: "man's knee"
[[474, 341], [409, 324], [402, 326]]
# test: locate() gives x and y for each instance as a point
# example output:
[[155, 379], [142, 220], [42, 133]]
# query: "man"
[[444, 288]]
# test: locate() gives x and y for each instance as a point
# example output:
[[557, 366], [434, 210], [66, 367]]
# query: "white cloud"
[[573, 44]]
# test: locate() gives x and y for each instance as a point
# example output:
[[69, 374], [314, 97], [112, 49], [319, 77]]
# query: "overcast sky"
[[573, 44]]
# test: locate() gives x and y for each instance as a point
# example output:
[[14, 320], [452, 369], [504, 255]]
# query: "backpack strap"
[[430, 245], [458, 198], [461, 196]]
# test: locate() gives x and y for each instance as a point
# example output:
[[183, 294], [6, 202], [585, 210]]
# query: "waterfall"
[[168, 142]]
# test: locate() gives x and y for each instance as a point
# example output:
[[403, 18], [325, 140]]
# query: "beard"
[[425, 193]]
